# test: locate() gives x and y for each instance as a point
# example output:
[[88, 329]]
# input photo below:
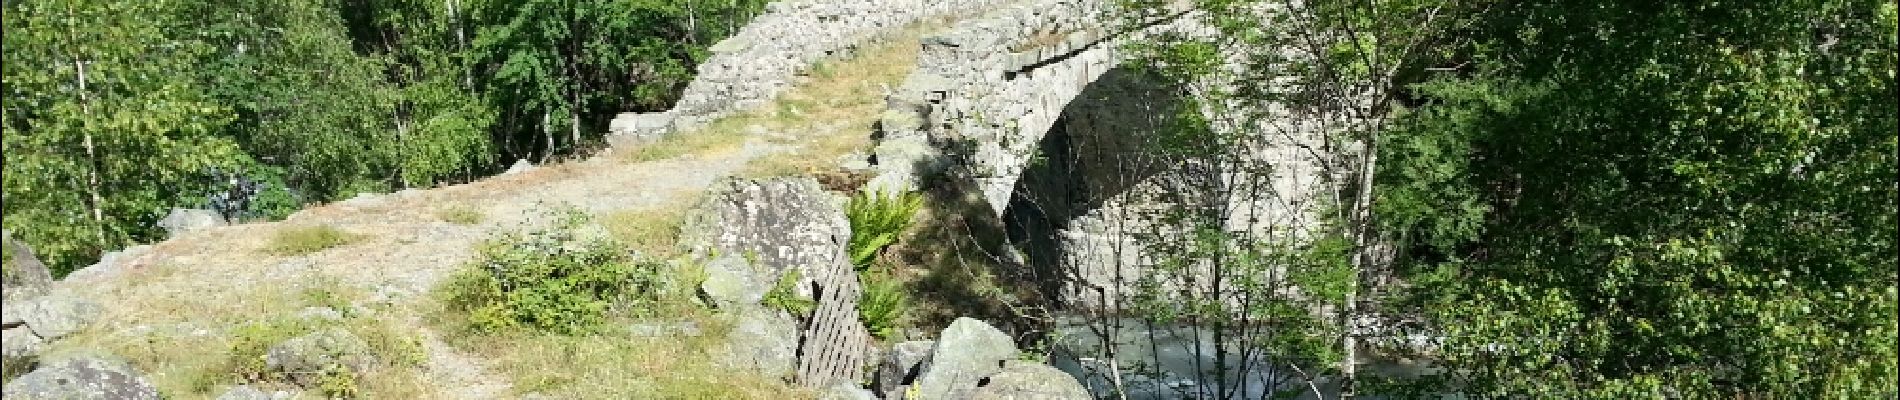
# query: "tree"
[[101, 127], [556, 70], [1273, 268], [1642, 199]]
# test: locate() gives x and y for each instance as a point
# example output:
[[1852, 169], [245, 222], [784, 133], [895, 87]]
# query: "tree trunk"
[[1361, 225], [692, 24], [94, 200], [461, 43], [547, 135]]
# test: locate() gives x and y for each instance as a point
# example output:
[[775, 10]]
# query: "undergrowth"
[[564, 279], [883, 305]]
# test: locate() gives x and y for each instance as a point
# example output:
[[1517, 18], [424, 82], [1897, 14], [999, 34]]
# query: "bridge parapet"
[[764, 58]]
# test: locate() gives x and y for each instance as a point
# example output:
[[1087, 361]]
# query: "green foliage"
[[562, 279], [784, 295], [337, 382], [1627, 200], [301, 240], [90, 166], [883, 304], [560, 69], [876, 221], [319, 99]]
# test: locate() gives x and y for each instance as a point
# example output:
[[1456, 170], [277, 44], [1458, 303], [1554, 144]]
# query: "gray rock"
[[187, 220], [733, 282], [762, 341], [786, 223], [635, 128], [1020, 380], [901, 366], [110, 264], [320, 314], [82, 378], [22, 275], [19, 350], [520, 166], [244, 392], [854, 162], [306, 358], [731, 45], [964, 354], [846, 391], [58, 315]]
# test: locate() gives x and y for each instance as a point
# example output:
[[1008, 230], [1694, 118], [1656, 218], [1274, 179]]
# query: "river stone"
[[82, 378], [901, 366], [1020, 380], [306, 358], [57, 315], [763, 341], [964, 354]]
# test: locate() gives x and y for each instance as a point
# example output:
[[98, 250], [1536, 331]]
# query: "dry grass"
[[654, 231], [616, 365], [301, 240], [195, 343]]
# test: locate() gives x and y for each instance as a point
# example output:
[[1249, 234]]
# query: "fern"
[[876, 222], [882, 305], [784, 295]]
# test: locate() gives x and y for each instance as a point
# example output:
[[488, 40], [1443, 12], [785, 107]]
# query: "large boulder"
[[762, 341], [57, 315], [783, 223], [1020, 380], [82, 378], [186, 220], [965, 353], [901, 366], [305, 359], [22, 275]]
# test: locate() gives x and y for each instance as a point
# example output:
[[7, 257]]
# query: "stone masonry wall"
[[763, 58]]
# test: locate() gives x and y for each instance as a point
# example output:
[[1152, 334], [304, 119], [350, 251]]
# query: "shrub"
[[295, 241], [876, 222], [883, 304], [560, 279]]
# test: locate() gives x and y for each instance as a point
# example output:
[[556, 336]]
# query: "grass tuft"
[[460, 214], [301, 240], [652, 232]]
